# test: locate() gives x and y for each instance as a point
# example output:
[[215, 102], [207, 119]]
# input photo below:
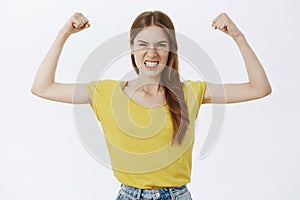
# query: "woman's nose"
[[151, 51]]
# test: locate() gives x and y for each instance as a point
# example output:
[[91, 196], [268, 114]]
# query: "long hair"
[[169, 77]]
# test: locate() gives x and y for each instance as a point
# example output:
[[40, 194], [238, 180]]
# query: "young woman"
[[148, 122]]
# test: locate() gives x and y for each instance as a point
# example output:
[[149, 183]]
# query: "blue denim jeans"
[[169, 193]]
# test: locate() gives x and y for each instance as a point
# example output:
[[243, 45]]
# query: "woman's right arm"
[[44, 84]]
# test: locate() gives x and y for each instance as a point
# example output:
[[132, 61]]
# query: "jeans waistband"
[[138, 192]]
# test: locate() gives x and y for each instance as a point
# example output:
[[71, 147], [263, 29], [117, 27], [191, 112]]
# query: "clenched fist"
[[76, 23], [225, 24]]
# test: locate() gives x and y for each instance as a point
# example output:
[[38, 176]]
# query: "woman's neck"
[[148, 85]]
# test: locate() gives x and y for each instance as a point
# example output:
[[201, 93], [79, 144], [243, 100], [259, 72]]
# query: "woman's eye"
[[162, 45]]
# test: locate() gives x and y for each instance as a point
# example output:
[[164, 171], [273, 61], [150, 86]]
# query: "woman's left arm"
[[257, 86]]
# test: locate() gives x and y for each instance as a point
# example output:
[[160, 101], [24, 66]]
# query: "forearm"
[[45, 75], [256, 74], [258, 85]]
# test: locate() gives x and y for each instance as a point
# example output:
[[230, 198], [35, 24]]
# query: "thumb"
[[75, 25], [80, 26]]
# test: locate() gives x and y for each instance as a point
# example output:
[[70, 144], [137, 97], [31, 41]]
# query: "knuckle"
[[77, 14], [223, 14]]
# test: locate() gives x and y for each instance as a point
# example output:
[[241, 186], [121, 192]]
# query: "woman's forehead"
[[152, 34]]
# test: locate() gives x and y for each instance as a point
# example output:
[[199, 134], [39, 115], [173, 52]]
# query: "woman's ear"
[[131, 47], [131, 50]]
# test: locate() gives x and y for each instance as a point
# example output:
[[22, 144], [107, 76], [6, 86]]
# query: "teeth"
[[151, 64]]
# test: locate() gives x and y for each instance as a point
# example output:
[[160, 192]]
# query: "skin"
[[145, 89], [258, 85], [44, 84], [150, 45]]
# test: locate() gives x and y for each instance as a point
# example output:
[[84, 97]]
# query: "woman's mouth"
[[151, 64]]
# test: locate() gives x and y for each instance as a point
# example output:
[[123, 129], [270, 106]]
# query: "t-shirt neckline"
[[121, 85]]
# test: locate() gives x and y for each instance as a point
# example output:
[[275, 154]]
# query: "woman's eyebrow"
[[163, 41], [142, 41]]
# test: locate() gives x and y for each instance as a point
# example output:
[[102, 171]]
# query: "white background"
[[257, 156]]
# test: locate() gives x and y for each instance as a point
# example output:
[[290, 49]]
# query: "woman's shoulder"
[[193, 83], [102, 85], [195, 86], [104, 82]]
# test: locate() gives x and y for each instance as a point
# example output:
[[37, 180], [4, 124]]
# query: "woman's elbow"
[[38, 91], [265, 92], [34, 90], [269, 90]]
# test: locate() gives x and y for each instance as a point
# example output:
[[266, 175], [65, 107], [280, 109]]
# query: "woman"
[[148, 122]]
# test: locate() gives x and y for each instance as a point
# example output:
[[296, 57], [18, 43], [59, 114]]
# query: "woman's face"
[[151, 51]]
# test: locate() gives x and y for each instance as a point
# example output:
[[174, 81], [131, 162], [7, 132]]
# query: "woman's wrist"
[[239, 37], [63, 35]]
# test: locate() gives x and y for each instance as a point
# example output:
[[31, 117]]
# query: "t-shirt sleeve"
[[195, 91], [100, 93], [199, 90], [94, 89]]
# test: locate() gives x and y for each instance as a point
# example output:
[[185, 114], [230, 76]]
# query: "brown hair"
[[170, 77]]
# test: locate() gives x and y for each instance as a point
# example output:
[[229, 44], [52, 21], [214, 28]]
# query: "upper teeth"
[[151, 64]]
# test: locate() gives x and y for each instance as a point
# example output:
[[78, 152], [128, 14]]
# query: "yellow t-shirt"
[[139, 138]]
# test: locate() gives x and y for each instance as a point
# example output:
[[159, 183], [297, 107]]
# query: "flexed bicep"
[[231, 93], [65, 93], [44, 84], [257, 85]]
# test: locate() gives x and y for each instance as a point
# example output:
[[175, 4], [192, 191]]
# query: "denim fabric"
[[170, 193]]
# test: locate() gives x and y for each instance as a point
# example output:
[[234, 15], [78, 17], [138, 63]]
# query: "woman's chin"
[[151, 71]]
